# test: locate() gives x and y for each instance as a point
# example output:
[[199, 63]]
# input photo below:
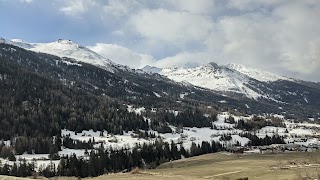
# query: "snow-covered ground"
[[37, 159], [136, 110], [182, 95], [305, 133], [108, 140], [197, 135]]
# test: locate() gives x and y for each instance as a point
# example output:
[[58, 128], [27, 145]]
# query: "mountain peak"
[[151, 69], [64, 41], [214, 65], [18, 41], [66, 48]]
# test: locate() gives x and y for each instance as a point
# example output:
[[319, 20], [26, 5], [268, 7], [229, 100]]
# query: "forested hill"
[[131, 86], [42, 94], [124, 84], [33, 105]]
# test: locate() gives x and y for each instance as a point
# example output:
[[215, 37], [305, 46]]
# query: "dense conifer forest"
[[102, 161]]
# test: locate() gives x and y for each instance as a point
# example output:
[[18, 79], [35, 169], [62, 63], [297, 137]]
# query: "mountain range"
[[228, 86]]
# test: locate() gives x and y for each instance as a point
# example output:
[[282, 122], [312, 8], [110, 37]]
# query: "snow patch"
[[156, 94], [182, 95], [136, 110]]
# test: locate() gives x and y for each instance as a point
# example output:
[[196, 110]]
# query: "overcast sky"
[[281, 36]]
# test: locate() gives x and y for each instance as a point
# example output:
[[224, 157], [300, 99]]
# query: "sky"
[[280, 36]]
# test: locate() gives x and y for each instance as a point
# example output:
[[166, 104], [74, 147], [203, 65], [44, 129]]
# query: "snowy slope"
[[214, 77], [232, 78], [66, 48], [298, 133], [256, 73]]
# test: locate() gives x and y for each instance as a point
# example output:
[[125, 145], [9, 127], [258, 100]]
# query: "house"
[[237, 149], [312, 147], [265, 149], [254, 151]]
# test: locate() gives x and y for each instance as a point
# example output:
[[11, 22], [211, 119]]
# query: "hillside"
[[230, 87], [234, 80]]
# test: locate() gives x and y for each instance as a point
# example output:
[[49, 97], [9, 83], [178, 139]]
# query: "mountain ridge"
[[66, 48], [221, 84]]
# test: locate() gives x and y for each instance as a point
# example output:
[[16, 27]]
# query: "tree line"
[[102, 161]]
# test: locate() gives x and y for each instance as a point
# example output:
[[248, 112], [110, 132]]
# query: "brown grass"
[[286, 166], [135, 170]]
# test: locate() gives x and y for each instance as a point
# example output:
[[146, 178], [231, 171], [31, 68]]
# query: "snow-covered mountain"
[[240, 81], [66, 48], [214, 77], [237, 82], [231, 78], [257, 73]]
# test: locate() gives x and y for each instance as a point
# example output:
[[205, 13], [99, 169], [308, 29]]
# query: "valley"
[[160, 90], [66, 115]]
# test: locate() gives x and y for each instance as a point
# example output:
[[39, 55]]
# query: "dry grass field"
[[220, 166], [232, 166], [12, 178]]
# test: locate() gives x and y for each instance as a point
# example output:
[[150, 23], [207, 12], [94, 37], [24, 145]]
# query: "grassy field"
[[295, 165]]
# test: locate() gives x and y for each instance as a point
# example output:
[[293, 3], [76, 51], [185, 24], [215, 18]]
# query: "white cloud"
[[176, 28], [26, 1], [76, 8], [121, 8], [122, 55], [185, 59], [276, 35], [192, 6], [21, 1], [244, 39], [249, 5], [286, 37], [299, 40]]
